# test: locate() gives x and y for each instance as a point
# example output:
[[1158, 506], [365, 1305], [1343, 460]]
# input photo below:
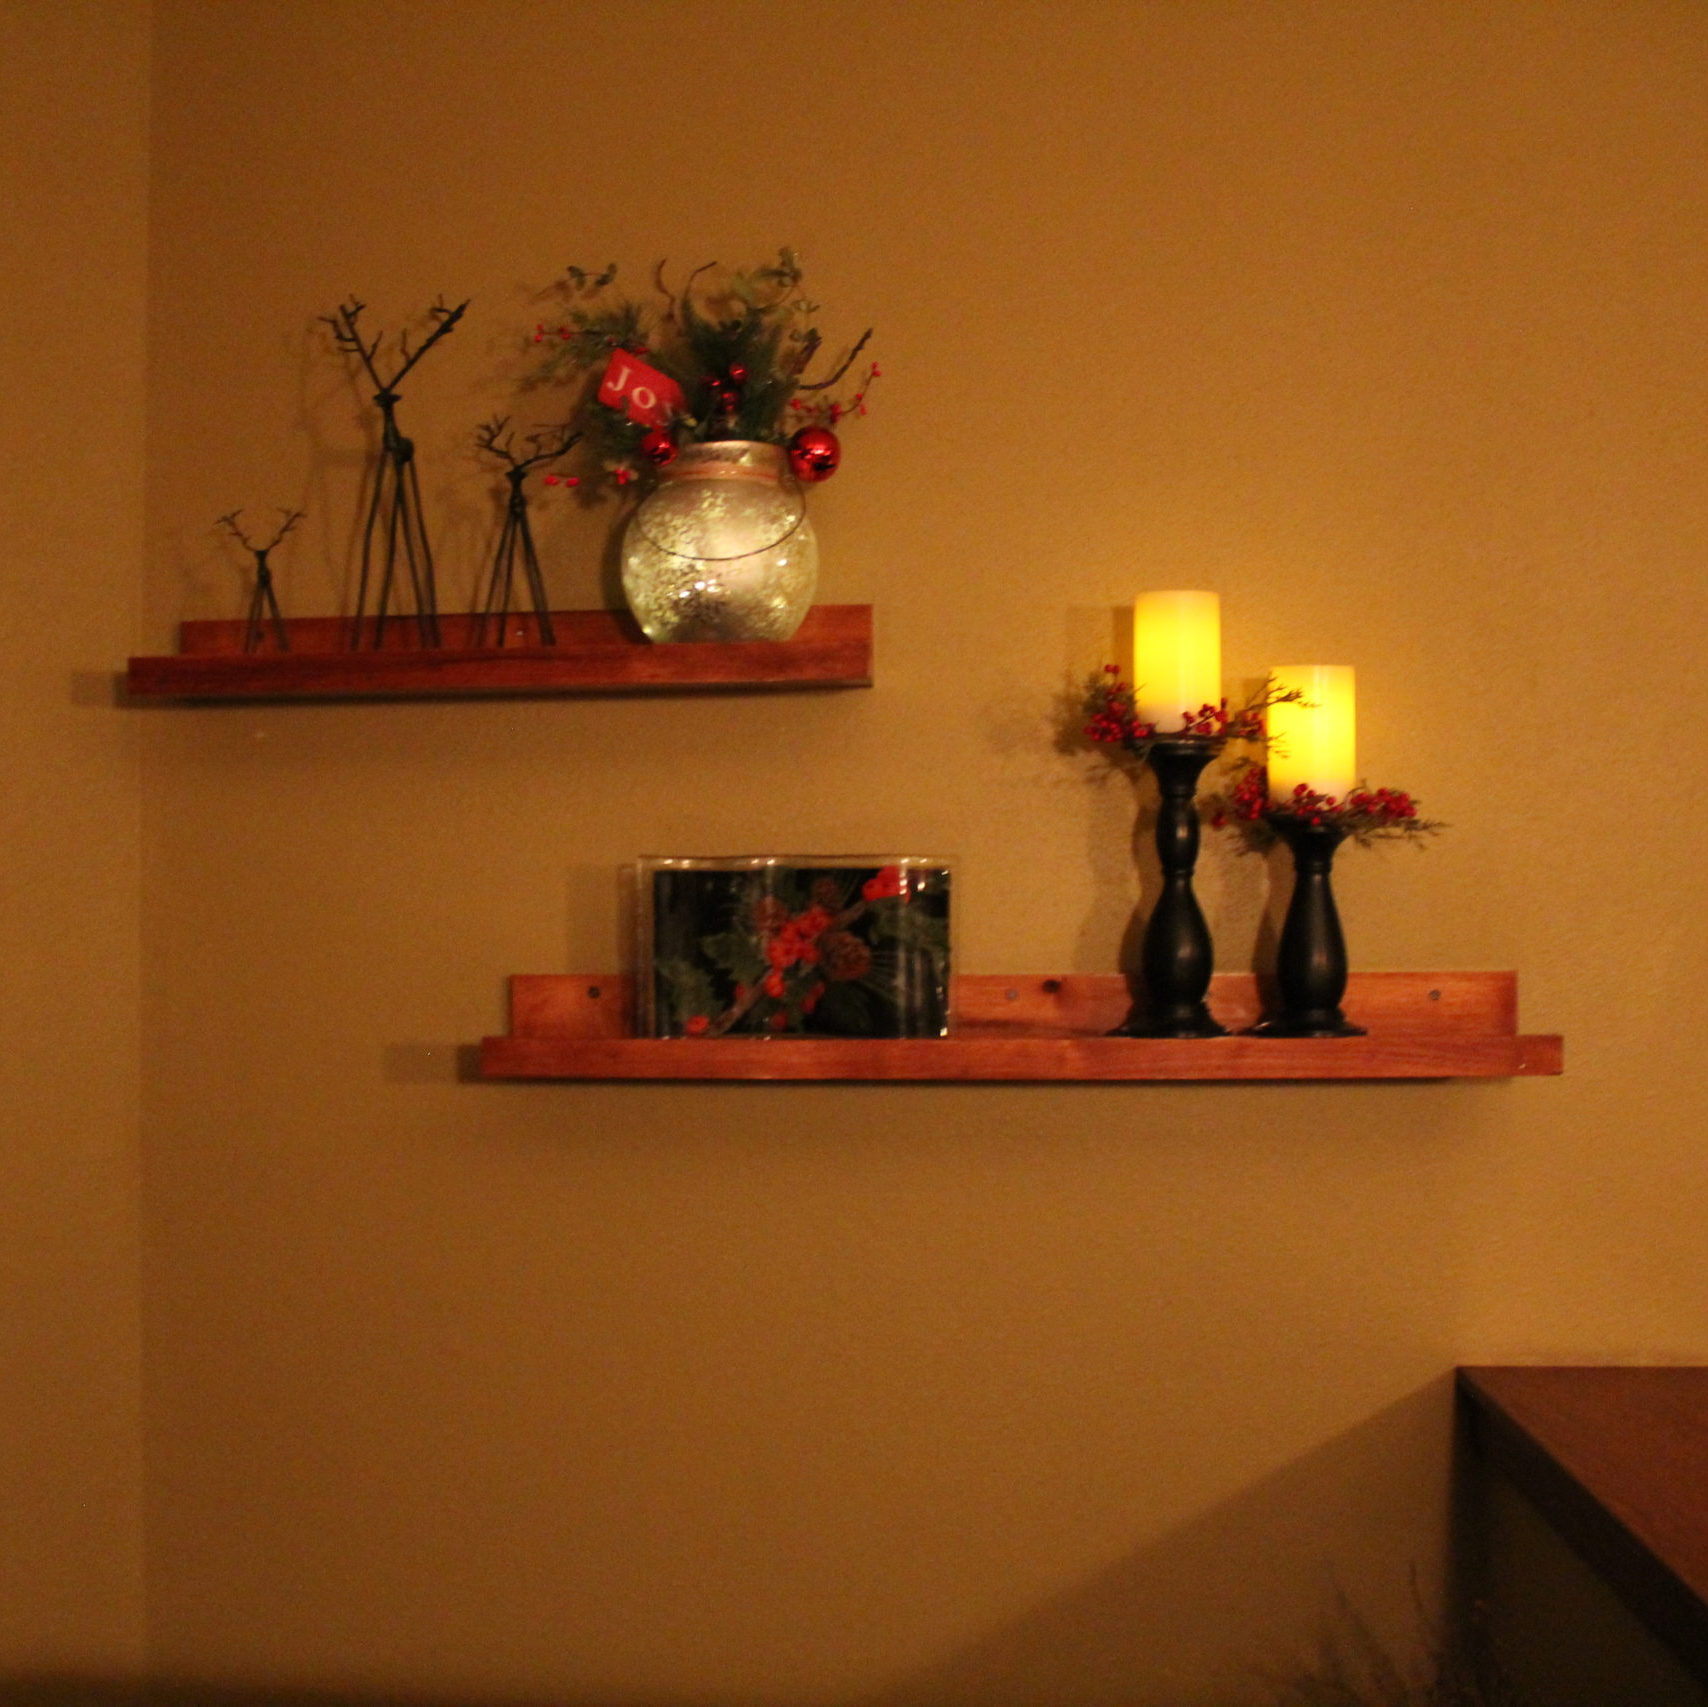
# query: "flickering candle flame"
[[1313, 740], [1177, 656]]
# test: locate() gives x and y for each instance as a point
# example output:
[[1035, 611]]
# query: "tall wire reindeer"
[[263, 601], [516, 537], [395, 506]]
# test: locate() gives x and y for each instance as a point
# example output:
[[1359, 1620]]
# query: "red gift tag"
[[651, 398]]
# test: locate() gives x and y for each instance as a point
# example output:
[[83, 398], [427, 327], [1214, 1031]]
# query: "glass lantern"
[[722, 548]]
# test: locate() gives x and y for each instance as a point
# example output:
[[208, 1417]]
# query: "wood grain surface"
[[1617, 1459], [1039, 1027], [595, 652]]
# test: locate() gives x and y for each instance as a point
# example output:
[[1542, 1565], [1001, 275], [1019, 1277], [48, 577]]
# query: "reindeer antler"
[[548, 443], [347, 335], [486, 438], [444, 323], [292, 517], [230, 523]]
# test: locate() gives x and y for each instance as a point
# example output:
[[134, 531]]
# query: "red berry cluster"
[[812, 947], [829, 412], [794, 939], [1111, 718], [1389, 805], [565, 333], [1248, 798], [1206, 720], [1371, 807]]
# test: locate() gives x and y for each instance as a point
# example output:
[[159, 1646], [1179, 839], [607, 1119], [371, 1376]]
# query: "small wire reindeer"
[[395, 506], [263, 601], [516, 537]]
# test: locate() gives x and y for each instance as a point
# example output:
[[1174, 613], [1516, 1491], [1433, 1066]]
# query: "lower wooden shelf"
[[595, 652], [1031, 1028]]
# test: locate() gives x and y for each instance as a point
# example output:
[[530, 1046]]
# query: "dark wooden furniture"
[[1617, 1460]]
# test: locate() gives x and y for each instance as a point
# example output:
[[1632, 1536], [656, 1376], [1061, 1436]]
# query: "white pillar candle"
[[1177, 656], [1313, 740]]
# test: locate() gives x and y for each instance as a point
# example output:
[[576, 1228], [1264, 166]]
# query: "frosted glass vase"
[[722, 548]]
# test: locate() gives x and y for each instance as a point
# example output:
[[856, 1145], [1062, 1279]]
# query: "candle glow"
[[1313, 740], [1177, 656]]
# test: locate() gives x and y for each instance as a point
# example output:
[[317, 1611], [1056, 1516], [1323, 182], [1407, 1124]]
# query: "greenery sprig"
[[1364, 816], [1112, 720], [739, 343], [1242, 804]]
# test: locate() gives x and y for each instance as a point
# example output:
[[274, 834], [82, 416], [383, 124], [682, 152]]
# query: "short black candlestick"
[[1177, 956], [1310, 968]]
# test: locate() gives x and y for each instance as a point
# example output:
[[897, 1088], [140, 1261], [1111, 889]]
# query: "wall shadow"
[[1211, 1613], [1228, 1609]]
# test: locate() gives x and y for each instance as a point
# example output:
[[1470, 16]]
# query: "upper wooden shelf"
[[1422, 1025], [596, 652], [1617, 1459]]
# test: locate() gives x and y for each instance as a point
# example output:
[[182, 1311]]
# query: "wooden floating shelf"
[[596, 652], [1027, 1028], [1617, 1459]]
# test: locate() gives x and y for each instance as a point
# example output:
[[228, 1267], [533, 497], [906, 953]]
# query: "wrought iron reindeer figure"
[[263, 601], [394, 510], [516, 537]]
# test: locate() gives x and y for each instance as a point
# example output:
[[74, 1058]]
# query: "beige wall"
[[1387, 322], [73, 184]]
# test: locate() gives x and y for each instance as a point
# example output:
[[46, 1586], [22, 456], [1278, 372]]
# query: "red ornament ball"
[[814, 453], [658, 446]]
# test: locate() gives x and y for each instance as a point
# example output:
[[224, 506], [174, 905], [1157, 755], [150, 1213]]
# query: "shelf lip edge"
[[596, 654], [1010, 1060]]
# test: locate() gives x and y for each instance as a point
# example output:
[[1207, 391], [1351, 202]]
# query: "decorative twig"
[[665, 291], [810, 341], [848, 362]]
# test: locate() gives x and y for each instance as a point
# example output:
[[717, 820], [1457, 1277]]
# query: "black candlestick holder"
[[1310, 967], [1177, 956]]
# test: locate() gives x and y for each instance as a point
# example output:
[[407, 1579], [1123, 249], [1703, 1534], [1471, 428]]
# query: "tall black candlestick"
[[1177, 956], [1310, 967]]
